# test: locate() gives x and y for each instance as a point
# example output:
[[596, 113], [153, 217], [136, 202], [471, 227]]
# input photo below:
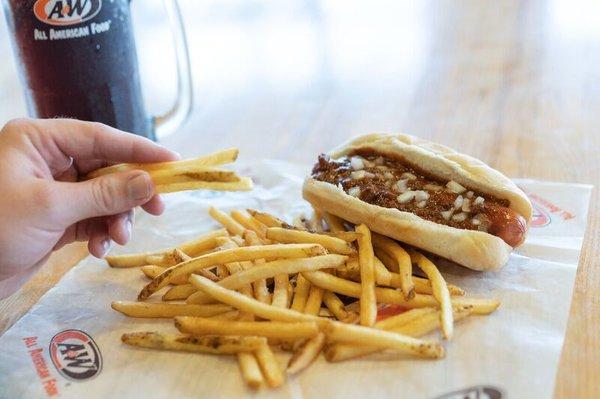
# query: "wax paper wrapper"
[[512, 353]]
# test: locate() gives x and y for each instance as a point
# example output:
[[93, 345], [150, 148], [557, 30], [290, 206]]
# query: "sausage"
[[506, 224]]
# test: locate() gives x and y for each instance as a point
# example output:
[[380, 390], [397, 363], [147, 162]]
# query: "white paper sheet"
[[512, 353]]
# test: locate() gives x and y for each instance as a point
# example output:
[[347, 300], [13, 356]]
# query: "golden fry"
[[332, 244], [368, 301], [189, 343]]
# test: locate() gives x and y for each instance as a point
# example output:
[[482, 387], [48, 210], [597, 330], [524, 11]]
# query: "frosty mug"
[[77, 59]]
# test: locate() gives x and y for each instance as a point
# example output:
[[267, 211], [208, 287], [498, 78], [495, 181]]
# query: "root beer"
[[78, 59]]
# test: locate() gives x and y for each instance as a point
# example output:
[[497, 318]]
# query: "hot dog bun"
[[474, 249]]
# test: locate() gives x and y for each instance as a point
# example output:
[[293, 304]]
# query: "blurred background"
[[287, 79]]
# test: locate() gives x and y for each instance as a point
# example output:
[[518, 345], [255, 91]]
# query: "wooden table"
[[516, 84]]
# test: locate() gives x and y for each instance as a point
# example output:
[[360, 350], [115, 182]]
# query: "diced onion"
[[421, 204], [466, 205], [458, 202], [459, 217], [408, 175], [388, 175], [406, 197], [447, 214], [354, 191], [357, 163], [402, 185], [357, 174], [469, 194], [455, 187], [421, 195], [478, 201]]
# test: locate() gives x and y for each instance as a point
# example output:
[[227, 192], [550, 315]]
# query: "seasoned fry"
[[261, 292], [440, 291], [226, 221], [250, 370], [266, 218], [246, 304], [167, 310], [179, 292], [268, 329], [190, 343], [335, 305], [228, 256], [250, 223], [271, 269], [151, 271], [340, 332], [300, 294], [202, 243], [269, 366], [387, 295], [193, 173], [313, 302], [402, 259], [217, 158], [414, 327], [281, 295], [306, 354], [332, 244], [368, 301]]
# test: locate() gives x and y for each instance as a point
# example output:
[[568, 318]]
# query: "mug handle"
[[168, 123]]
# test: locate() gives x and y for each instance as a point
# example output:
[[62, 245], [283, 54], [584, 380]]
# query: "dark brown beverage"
[[78, 60]]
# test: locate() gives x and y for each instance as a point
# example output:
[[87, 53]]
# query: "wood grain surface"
[[515, 83]]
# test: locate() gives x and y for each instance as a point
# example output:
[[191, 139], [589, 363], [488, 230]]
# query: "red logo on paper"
[[540, 217], [66, 12], [75, 355]]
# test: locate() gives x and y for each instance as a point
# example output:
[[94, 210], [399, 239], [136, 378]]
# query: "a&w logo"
[[66, 12], [75, 355]]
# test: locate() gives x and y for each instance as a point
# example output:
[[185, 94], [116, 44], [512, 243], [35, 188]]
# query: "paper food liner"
[[513, 353]]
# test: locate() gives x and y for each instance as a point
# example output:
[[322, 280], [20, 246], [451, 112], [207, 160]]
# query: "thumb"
[[105, 195]]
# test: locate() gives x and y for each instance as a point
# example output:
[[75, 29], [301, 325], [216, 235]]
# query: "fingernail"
[[140, 186], [105, 246], [128, 226]]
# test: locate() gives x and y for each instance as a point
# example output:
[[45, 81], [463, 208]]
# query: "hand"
[[42, 204]]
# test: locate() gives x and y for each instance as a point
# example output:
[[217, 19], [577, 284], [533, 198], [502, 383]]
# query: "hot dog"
[[424, 194]]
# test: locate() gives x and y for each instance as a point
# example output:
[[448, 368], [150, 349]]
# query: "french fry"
[[440, 291], [332, 244], [340, 332], [268, 329], [244, 184], [335, 305], [167, 310], [231, 315], [269, 366], [250, 370], [227, 256], [306, 354], [246, 304], [217, 158], [151, 271], [423, 286], [271, 269], [281, 296], [414, 326], [402, 259], [368, 301], [266, 218], [226, 221], [189, 343], [300, 294], [387, 295], [250, 223], [202, 243], [179, 292], [335, 223], [389, 262], [261, 292], [313, 302], [193, 173]]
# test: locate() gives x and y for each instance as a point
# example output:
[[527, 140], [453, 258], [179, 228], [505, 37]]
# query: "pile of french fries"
[[260, 285], [191, 174]]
